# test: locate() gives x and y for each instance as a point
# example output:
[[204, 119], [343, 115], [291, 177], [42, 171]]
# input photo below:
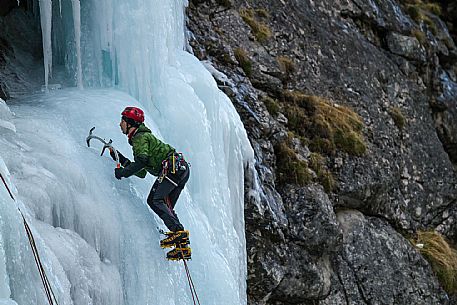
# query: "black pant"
[[163, 196]]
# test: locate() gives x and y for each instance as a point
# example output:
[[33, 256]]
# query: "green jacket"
[[148, 151]]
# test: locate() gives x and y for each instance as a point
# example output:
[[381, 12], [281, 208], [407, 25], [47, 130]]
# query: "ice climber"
[[172, 172]]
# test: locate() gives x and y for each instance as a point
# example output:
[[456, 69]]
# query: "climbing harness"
[[172, 164], [178, 163], [171, 181], [47, 286]]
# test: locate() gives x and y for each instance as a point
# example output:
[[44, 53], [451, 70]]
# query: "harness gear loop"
[[171, 181], [173, 163], [44, 279]]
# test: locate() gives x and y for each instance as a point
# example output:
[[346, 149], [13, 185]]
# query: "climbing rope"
[[193, 291], [189, 278], [44, 279]]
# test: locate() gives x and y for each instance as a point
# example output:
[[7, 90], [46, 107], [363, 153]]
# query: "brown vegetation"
[[398, 117], [289, 168], [441, 256], [260, 30], [244, 61], [329, 127]]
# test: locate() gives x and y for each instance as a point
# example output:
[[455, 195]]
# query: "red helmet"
[[134, 113]]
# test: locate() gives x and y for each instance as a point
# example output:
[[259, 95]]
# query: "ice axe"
[[105, 145]]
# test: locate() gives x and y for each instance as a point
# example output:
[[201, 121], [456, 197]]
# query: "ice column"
[[46, 25], [77, 27]]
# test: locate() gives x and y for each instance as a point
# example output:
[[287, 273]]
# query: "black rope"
[[37, 260], [44, 279], [47, 285], [189, 279], [7, 188]]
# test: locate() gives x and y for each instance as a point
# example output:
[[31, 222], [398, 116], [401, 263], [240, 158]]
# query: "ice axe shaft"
[[105, 145]]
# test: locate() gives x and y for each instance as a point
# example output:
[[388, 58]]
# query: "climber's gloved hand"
[[118, 173], [111, 153], [122, 160]]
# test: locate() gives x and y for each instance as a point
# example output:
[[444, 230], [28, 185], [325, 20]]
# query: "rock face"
[[399, 76], [20, 50], [296, 263], [379, 261], [7, 6]]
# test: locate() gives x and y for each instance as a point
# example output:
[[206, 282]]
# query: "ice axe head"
[[89, 136], [105, 145]]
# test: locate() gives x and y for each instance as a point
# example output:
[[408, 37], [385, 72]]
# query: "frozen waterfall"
[[96, 235]]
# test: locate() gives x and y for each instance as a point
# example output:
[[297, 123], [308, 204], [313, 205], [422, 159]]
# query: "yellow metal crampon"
[[179, 253], [175, 238]]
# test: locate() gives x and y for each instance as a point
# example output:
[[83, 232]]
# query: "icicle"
[[60, 8], [46, 25], [77, 25], [109, 35]]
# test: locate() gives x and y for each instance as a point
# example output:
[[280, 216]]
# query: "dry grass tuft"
[[272, 105], [441, 256], [287, 67], [324, 176], [260, 30], [419, 10], [398, 117], [289, 168], [243, 59], [328, 126], [420, 36]]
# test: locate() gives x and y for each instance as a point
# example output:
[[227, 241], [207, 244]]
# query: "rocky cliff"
[[351, 109]]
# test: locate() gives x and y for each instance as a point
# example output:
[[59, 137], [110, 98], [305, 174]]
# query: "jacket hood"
[[142, 128]]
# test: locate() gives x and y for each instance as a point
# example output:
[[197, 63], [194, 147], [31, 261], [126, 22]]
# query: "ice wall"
[[96, 235]]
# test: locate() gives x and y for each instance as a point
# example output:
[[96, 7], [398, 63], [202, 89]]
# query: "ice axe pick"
[[105, 145]]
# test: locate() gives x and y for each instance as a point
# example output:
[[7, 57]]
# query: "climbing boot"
[[178, 238], [179, 253]]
